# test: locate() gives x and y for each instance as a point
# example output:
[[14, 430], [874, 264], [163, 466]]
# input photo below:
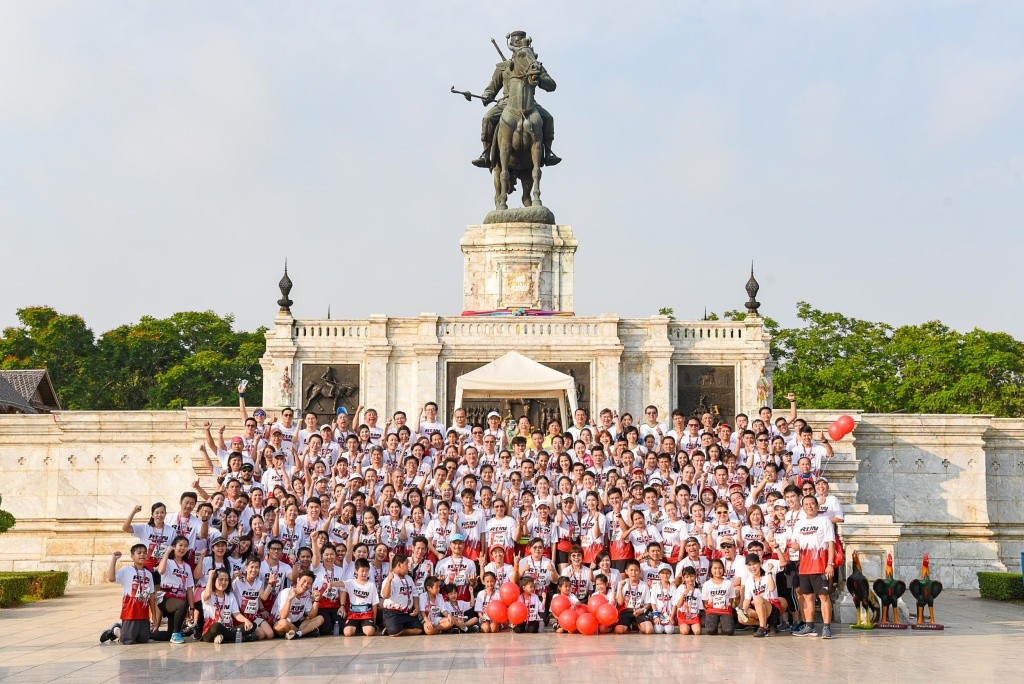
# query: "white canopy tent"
[[514, 376]]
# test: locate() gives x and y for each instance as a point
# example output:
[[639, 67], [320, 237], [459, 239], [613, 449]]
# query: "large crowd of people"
[[363, 527]]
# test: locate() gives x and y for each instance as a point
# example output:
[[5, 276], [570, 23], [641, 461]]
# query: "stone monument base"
[[518, 265]]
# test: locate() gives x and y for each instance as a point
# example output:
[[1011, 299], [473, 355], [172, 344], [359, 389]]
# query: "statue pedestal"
[[518, 266]]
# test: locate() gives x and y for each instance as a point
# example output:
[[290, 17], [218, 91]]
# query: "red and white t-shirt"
[[156, 541], [717, 597], [220, 609], [634, 595], [247, 596], [457, 571], [330, 597], [361, 599], [136, 588], [813, 536], [293, 608], [502, 532], [176, 580]]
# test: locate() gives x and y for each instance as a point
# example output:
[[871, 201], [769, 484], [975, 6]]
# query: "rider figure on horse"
[[499, 81]]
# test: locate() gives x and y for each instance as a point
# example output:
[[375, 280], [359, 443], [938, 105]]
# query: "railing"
[[329, 329], [518, 328], [706, 330]]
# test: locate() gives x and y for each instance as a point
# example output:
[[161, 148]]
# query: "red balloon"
[[497, 611], [560, 604], [836, 432], [567, 620], [581, 609], [607, 615], [517, 613], [586, 624], [509, 593], [846, 424], [596, 601]]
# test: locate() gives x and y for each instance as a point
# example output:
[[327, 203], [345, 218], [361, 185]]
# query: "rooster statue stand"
[[925, 590], [863, 600], [889, 591]]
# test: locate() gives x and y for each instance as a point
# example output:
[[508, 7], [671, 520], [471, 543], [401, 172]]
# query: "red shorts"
[[683, 620], [621, 550]]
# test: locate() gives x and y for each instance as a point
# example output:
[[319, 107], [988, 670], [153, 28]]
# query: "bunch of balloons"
[[509, 608], [585, 618], [841, 427]]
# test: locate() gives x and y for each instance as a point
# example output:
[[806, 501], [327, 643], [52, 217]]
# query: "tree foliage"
[[188, 359], [833, 361]]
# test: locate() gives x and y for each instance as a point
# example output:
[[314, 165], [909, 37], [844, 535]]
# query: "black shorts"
[[561, 558], [813, 584], [628, 619], [395, 621], [359, 624]]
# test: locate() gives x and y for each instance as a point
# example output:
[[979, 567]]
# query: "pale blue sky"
[[163, 156]]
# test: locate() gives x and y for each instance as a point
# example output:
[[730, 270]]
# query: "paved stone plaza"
[[57, 640]]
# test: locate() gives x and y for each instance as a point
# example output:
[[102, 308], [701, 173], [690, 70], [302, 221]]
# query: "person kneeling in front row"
[[140, 615]]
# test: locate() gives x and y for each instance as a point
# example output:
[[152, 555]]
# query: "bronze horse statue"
[[517, 150]]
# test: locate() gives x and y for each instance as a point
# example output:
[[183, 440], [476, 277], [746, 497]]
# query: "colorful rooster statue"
[[925, 590], [889, 591], [865, 602]]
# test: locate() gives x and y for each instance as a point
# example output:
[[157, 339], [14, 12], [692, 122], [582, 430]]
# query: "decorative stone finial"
[[286, 287], [752, 287]]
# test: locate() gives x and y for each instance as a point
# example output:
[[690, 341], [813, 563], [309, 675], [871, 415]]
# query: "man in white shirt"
[[652, 426]]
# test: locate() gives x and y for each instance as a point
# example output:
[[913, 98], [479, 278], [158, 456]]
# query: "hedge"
[[1001, 586], [17, 587]]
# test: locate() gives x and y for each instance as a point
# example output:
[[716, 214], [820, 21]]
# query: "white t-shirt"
[[717, 597], [361, 599], [176, 580], [294, 608], [222, 610], [156, 541], [634, 595], [403, 594]]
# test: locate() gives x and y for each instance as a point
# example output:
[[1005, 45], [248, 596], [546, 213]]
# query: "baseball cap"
[[277, 430], [568, 497], [456, 537], [726, 542], [543, 503], [248, 466], [279, 454], [823, 479], [237, 438], [780, 503], [220, 540], [341, 410], [356, 476], [325, 427], [259, 412], [494, 414]]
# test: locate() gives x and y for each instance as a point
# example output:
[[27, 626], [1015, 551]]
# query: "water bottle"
[[238, 635], [337, 628]]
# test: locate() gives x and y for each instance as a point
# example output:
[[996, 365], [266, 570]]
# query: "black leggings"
[[176, 610], [528, 627], [229, 633]]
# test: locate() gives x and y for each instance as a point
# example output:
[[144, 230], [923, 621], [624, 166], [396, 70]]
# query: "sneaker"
[[474, 629], [826, 632], [805, 630], [290, 634], [785, 627], [760, 632], [176, 638], [796, 627], [109, 634], [219, 639]]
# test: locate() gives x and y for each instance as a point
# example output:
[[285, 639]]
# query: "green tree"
[[189, 358], [61, 343], [6, 519], [833, 361]]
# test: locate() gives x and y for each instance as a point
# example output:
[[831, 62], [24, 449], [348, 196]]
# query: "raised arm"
[[241, 404], [792, 406], [111, 575], [127, 527]]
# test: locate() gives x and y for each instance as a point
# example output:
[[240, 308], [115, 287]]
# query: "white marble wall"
[[633, 361]]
